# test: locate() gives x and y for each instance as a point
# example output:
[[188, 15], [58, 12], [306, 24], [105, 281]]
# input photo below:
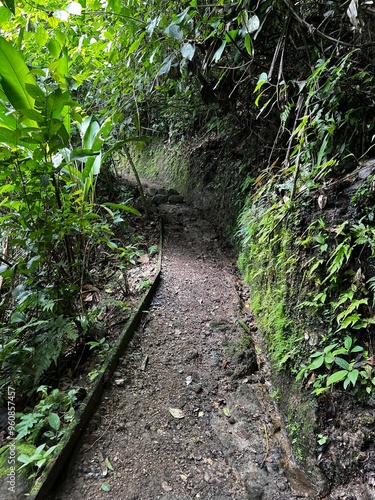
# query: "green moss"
[[165, 165], [10, 471]]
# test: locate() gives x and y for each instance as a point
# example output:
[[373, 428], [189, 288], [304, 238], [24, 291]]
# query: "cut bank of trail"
[[188, 413]]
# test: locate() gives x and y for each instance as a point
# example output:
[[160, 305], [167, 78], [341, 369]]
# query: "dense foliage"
[[79, 79]]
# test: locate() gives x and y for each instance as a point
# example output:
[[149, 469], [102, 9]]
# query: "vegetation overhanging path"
[[188, 413]]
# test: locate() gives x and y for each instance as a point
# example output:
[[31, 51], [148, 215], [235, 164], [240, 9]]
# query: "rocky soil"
[[188, 413]]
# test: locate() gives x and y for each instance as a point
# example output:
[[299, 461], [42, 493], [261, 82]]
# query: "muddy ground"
[[189, 412]]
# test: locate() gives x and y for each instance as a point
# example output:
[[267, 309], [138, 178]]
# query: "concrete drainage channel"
[[43, 485]]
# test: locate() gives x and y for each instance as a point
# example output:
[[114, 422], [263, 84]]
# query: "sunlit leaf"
[[174, 31], [74, 8], [219, 51], [54, 421], [188, 51], [14, 76], [337, 377], [9, 4], [61, 15]]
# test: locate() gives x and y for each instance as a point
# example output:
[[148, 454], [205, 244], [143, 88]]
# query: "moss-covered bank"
[[208, 171]]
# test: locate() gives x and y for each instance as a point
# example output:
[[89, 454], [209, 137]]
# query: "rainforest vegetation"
[[286, 89]]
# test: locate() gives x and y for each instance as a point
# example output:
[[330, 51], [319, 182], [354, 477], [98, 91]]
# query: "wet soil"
[[188, 413]]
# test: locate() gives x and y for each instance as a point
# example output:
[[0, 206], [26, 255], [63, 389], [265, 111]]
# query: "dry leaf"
[[166, 486], [176, 413], [144, 259], [90, 288], [322, 201], [144, 363], [215, 404], [103, 464]]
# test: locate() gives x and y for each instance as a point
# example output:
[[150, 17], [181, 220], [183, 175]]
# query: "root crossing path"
[[188, 413]]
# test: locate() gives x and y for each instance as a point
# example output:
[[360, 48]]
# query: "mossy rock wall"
[[208, 172]]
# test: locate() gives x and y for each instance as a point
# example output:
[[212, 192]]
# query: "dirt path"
[[200, 366]]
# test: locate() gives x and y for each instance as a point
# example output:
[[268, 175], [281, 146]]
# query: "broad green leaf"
[[317, 363], [353, 376], [35, 92], [247, 41], [337, 377], [41, 36], [33, 115], [82, 154], [348, 343], [5, 15], [91, 134], [14, 76], [54, 421], [54, 48], [342, 363], [7, 136], [9, 4], [122, 207], [357, 348]]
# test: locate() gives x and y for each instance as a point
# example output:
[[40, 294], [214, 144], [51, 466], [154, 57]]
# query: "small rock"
[[158, 199], [191, 355], [175, 199], [194, 386], [120, 382]]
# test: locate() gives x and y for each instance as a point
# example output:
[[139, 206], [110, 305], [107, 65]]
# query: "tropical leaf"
[[14, 76], [9, 4]]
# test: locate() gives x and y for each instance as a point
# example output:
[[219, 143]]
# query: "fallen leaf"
[[108, 464], [106, 487], [176, 413], [215, 404], [166, 486], [90, 288], [322, 201], [226, 411], [183, 477], [200, 414], [144, 364], [143, 259], [103, 465]]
